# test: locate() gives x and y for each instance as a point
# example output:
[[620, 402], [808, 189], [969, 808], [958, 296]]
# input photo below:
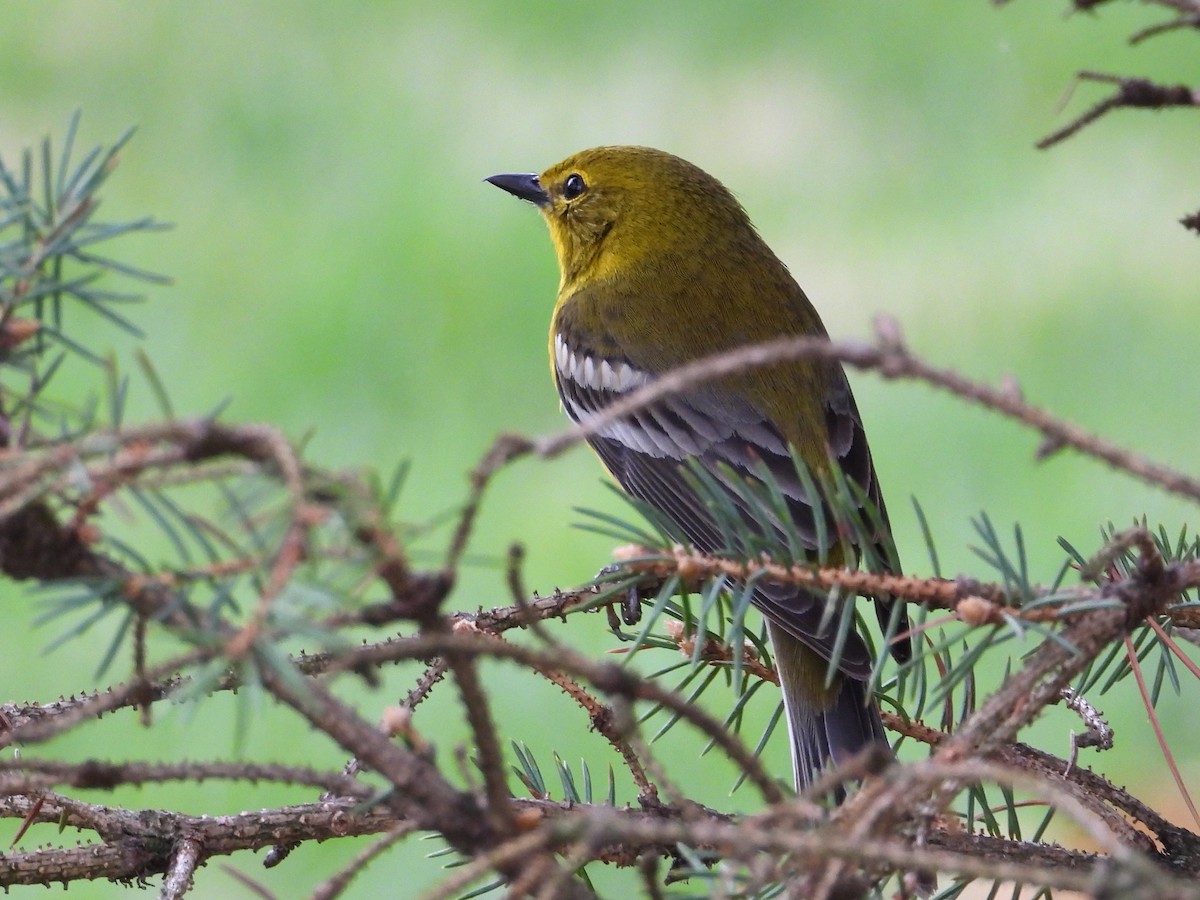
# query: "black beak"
[[527, 187]]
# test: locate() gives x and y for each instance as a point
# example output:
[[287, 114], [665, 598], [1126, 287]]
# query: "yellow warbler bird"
[[660, 267]]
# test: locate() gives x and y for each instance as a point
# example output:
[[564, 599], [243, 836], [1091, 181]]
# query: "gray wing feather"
[[648, 452]]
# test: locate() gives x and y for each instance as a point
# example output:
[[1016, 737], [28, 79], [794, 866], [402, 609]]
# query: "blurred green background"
[[340, 268]]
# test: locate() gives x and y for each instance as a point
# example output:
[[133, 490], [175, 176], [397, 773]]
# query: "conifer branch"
[[280, 554]]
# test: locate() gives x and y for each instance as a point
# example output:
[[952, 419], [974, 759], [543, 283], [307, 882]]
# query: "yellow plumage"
[[661, 266]]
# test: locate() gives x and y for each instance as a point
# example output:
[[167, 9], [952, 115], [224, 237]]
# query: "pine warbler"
[[661, 266]]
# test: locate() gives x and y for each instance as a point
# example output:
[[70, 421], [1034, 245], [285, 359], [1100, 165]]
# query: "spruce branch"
[[282, 555]]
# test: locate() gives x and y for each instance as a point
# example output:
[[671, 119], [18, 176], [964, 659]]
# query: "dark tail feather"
[[826, 727], [821, 738]]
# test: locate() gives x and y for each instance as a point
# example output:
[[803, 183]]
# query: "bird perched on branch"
[[661, 266]]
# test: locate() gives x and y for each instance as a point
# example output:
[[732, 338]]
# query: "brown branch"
[[186, 855], [30, 775], [487, 741], [975, 603], [607, 677], [783, 837], [30, 724], [115, 457], [1030, 689], [1187, 16], [787, 849], [715, 651], [603, 722], [1138, 93], [504, 450], [336, 884], [432, 675], [892, 360], [34, 544], [1093, 791], [422, 794], [143, 841], [1102, 796], [1053, 665], [424, 799], [38, 722]]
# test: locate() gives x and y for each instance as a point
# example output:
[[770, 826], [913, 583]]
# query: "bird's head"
[[611, 208]]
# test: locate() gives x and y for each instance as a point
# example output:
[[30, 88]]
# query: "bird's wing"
[[648, 452]]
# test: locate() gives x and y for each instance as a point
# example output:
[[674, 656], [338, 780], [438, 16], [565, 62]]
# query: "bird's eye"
[[573, 186]]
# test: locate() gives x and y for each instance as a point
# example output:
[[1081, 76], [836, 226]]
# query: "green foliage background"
[[340, 267]]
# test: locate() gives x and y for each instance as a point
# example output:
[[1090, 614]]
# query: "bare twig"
[[974, 603], [605, 676], [892, 360], [1138, 93], [186, 855], [333, 886]]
